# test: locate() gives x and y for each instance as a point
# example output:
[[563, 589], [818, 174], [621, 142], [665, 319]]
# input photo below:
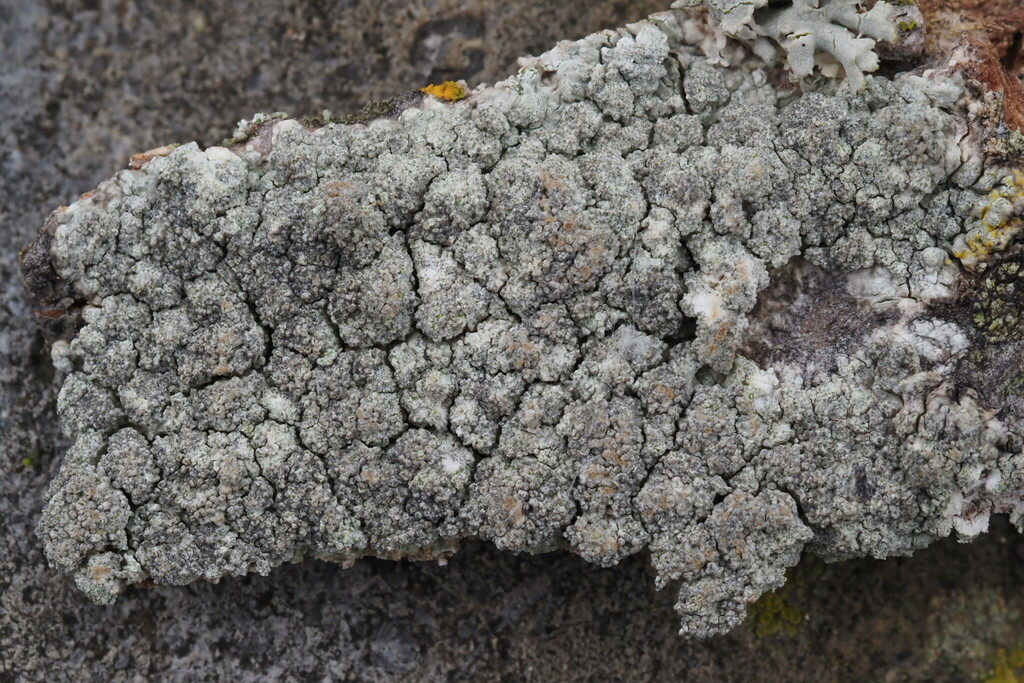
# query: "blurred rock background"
[[86, 83]]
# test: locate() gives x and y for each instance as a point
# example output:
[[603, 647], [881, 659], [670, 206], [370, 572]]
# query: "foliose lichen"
[[827, 34]]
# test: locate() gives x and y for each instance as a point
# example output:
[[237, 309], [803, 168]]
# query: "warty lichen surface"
[[626, 300]]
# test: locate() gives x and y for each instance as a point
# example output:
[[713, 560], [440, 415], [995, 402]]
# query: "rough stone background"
[[85, 83]]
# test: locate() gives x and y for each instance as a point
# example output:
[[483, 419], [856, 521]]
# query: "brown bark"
[[999, 22]]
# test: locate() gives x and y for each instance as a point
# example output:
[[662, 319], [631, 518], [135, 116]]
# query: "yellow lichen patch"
[[1006, 667], [771, 615], [32, 458], [449, 90], [1000, 219]]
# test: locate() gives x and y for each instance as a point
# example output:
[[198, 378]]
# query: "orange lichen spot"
[[449, 90], [97, 573], [333, 190], [137, 161], [550, 182]]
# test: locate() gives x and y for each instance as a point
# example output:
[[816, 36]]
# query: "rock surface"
[[366, 623]]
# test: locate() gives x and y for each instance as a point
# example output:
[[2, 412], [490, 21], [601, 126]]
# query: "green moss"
[[907, 26], [33, 458], [371, 111], [997, 309], [1015, 142], [1015, 385], [323, 119], [772, 615], [781, 613], [388, 108], [1007, 145]]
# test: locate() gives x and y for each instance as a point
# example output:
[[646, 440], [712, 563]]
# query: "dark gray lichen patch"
[[807, 317], [992, 306], [997, 298]]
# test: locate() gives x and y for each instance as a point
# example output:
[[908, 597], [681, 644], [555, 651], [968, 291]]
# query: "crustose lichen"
[[628, 299]]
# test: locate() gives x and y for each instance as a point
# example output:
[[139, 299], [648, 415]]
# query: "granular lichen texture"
[[640, 297]]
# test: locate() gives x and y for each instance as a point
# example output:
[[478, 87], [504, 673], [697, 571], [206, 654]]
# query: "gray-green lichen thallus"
[[652, 293]]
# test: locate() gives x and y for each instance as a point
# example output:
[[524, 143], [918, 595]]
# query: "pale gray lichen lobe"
[[835, 36], [628, 299]]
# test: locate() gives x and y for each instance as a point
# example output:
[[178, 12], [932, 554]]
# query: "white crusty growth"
[[628, 299], [824, 33]]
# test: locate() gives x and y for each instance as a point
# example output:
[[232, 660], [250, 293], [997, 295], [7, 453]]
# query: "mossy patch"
[[997, 304], [33, 458], [389, 108], [782, 612], [772, 615]]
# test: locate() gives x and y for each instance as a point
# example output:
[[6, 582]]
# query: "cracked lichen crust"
[[825, 33], [627, 300]]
